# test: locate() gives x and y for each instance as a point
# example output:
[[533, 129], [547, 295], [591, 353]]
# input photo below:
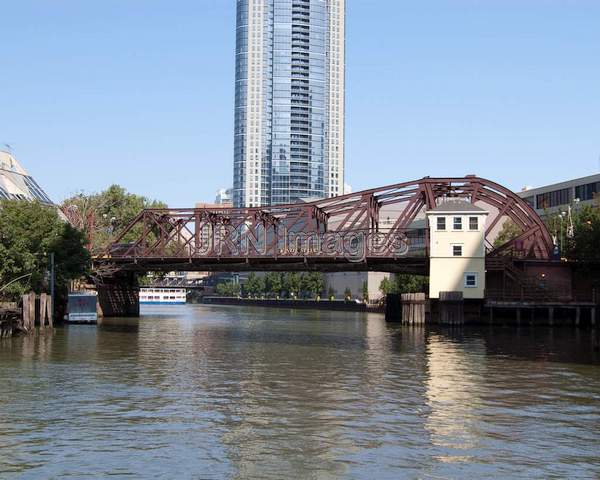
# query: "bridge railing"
[[352, 245]]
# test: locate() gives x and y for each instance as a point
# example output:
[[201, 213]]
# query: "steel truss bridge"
[[382, 229]]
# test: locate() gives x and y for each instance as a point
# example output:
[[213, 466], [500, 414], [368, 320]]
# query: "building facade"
[[223, 197], [289, 101], [17, 184], [559, 196], [457, 250]]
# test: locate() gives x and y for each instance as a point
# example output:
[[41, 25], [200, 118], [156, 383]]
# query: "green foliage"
[[29, 232], [290, 284], [584, 246], [365, 291], [404, 283], [255, 285], [387, 286], [104, 215], [228, 289], [347, 293], [331, 293], [273, 283], [509, 231], [312, 284]]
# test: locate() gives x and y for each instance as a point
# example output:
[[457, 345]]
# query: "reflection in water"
[[456, 376], [226, 392]]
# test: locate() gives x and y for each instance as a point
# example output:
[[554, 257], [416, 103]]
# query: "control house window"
[[441, 223], [457, 223], [470, 280], [457, 250], [473, 223]]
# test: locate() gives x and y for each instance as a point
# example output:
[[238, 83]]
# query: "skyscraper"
[[289, 101]]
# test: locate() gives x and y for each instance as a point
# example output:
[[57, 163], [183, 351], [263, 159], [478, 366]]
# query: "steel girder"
[[384, 223]]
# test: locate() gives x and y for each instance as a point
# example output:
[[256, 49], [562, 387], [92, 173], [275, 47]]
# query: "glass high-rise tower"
[[289, 101]]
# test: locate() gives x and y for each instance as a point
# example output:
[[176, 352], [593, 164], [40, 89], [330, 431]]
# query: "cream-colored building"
[[457, 250]]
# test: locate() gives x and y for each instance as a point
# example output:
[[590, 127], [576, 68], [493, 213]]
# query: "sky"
[[140, 92]]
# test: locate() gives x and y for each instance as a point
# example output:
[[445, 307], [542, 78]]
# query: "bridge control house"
[[457, 250]]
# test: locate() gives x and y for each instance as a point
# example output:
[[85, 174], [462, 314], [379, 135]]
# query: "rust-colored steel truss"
[[382, 229]]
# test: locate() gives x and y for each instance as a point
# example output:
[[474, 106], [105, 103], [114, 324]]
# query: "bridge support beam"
[[119, 297]]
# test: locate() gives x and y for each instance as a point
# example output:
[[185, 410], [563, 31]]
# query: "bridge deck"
[[416, 265]]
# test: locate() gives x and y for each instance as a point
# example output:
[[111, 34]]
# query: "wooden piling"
[[25, 299], [49, 311], [43, 300], [413, 308], [452, 310], [32, 311]]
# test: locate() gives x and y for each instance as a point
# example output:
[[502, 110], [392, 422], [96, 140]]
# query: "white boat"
[[163, 296]]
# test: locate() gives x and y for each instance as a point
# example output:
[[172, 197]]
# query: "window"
[[473, 223], [470, 280], [441, 223], [588, 191], [457, 223], [457, 250], [553, 199]]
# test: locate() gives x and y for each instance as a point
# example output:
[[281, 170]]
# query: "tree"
[[509, 231], [228, 289], [291, 284], [312, 284], [348, 293], [273, 283], [29, 232], [404, 283], [104, 215], [408, 283], [584, 243], [365, 291], [254, 285], [387, 286]]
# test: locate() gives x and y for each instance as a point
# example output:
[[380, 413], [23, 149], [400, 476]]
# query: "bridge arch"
[[163, 239]]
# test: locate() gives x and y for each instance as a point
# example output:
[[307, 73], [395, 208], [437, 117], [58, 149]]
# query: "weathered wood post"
[[32, 311], [49, 311], [25, 311], [413, 308], [452, 310], [28, 311], [43, 300]]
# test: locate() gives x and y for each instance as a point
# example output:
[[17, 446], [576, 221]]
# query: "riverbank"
[[10, 320], [332, 305]]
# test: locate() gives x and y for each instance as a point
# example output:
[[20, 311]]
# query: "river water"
[[230, 392]]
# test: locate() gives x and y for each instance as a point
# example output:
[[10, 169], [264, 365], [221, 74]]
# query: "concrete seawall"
[[334, 305]]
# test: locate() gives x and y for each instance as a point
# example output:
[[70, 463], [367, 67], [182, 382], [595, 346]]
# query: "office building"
[[223, 197], [289, 101], [558, 196]]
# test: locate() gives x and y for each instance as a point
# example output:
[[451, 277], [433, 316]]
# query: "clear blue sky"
[[140, 92]]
